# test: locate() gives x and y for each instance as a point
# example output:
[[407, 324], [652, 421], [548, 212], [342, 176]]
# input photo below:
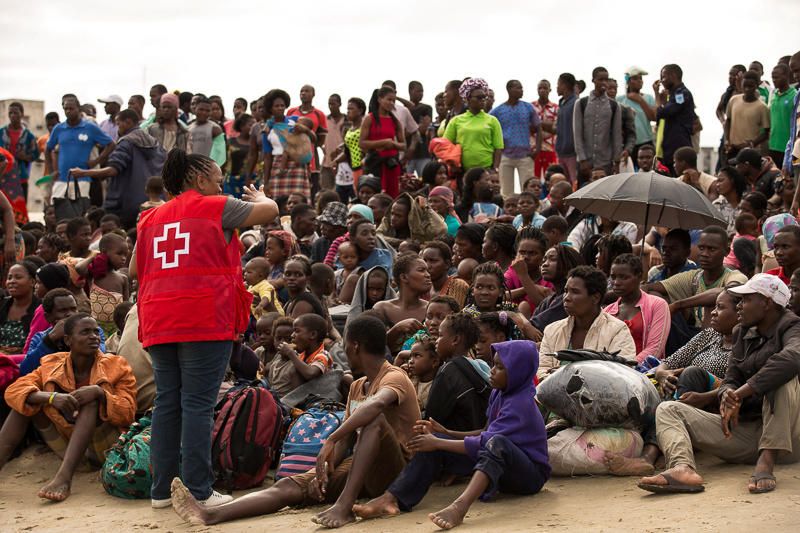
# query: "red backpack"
[[246, 436]]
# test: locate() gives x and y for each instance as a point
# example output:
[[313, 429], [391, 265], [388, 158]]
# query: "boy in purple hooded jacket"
[[510, 455]]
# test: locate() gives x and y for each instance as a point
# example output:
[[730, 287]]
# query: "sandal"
[[673, 486], [761, 476]]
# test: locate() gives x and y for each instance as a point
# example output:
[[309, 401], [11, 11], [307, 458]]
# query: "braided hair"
[[490, 268], [180, 167]]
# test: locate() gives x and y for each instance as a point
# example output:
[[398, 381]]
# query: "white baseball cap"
[[636, 71], [115, 98], [766, 285]]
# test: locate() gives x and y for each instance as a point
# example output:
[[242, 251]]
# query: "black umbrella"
[[649, 199]]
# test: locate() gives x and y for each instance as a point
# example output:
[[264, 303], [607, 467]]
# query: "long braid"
[[493, 269], [180, 167]]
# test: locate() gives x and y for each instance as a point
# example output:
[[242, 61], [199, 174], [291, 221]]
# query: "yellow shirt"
[[262, 290]]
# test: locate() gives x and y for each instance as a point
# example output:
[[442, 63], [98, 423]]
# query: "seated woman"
[[469, 243], [441, 200], [499, 243], [557, 263], [477, 200], [78, 401], [405, 314], [587, 326], [647, 316], [411, 218], [438, 256], [509, 455], [296, 275], [16, 310], [524, 277]]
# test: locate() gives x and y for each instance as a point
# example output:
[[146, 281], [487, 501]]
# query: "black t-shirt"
[[454, 402], [422, 110]]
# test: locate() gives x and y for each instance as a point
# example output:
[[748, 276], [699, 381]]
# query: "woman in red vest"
[[192, 306]]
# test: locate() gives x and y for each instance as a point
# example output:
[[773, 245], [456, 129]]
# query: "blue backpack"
[[305, 439]]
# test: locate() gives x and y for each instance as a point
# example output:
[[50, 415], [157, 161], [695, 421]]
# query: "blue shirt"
[[537, 221], [565, 138], [75, 144], [516, 121], [659, 273], [787, 155], [378, 257], [41, 346]]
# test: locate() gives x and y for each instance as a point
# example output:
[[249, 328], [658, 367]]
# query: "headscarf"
[[773, 224], [469, 85], [364, 211], [53, 275], [287, 239], [169, 97], [447, 194], [373, 182]]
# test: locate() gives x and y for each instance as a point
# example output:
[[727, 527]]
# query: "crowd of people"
[[381, 255]]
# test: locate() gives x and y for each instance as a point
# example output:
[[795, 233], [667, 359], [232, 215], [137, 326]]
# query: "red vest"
[[190, 279]]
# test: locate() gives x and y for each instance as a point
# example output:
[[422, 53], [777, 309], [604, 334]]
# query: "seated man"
[[759, 399], [380, 416], [697, 290], [79, 401], [675, 251], [58, 305]]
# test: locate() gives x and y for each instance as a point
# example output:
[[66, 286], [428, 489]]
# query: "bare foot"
[[451, 516], [336, 516], [619, 465], [383, 505], [681, 473], [447, 480], [57, 490], [186, 505]]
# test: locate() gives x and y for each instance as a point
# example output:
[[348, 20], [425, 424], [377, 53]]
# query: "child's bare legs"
[[282, 494], [11, 434], [454, 514], [59, 487]]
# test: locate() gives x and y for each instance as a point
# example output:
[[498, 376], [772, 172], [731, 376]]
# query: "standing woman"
[[192, 306], [382, 139], [478, 133], [282, 174]]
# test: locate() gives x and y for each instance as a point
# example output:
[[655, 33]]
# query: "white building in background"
[[33, 119]]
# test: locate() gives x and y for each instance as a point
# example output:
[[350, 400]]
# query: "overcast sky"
[[237, 48]]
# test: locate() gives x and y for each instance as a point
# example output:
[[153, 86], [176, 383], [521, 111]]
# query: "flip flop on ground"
[[673, 486], [761, 476]]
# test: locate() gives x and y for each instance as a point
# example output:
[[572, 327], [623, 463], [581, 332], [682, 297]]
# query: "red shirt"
[[779, 272], [319, 120]]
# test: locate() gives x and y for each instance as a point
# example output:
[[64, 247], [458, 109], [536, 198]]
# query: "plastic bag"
[[576, 452], [593, 394]]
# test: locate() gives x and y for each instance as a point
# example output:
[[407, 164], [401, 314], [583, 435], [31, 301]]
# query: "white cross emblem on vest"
[[178, 252]]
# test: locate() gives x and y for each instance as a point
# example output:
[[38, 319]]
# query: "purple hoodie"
[[513, 412]]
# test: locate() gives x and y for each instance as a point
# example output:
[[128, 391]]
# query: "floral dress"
[[14, 182]]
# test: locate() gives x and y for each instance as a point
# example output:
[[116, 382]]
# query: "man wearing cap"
[[168, 130], [760, 172], [113, 103], [759, 399], [332, 224], [644, 105]]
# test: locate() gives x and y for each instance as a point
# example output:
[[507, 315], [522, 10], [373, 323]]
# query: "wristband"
[[50, 400]]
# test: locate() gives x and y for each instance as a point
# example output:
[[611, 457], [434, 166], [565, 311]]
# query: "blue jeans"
[[188, 376], [507, 467]]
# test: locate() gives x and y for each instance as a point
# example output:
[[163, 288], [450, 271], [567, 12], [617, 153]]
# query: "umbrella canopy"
[[649, 199]]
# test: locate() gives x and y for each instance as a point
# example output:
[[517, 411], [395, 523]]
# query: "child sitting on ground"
[[264, 295], [321, 283], [422, 367], [746, 228], [302, 359], [528, 206], [120, 314], [438, 308], [348, 257], [511, 205], [509, 455], [154, 189], [494, 327], [109, 287], [264, 344]]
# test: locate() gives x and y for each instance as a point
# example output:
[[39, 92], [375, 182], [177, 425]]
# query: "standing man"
[[780, 112], [168, 130], [185, 106], [792, 152], [156, 92], [320, 128], [423, 115], [75, 139], [643, 105], [21, 143], [565, 138], [628, 122], [675, 114], [113, 104], [202, 131], [519, 121], [136, 102], [136, 158], [747, 122], [597, 124], [548, 113], [734, 87], [334, 139]]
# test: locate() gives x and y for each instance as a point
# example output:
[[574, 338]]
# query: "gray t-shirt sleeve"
[[235, 213]]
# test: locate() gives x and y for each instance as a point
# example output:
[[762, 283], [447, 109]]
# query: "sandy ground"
[[566, 504]]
